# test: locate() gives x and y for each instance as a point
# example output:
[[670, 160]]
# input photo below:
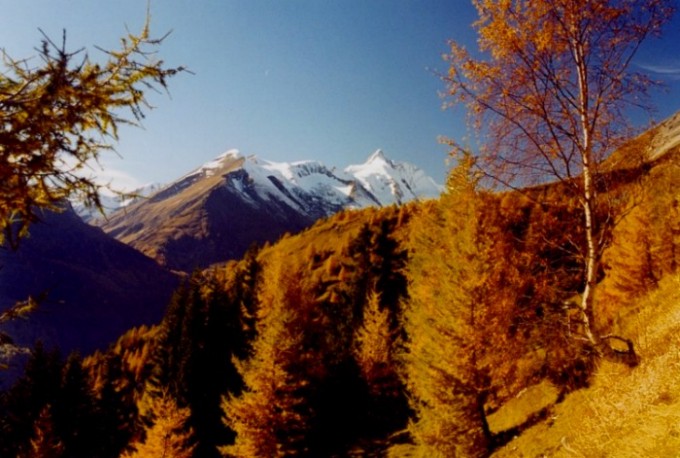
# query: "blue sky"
[[331, 80]]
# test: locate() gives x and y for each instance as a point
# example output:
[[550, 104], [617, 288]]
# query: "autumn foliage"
[[549, 99], [60, 115], [401, 331]]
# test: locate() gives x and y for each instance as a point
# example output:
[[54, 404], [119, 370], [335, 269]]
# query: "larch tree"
[[44, 442], [58, 113], [373, 344], [384, 404], [548, 94], [270, 416], [168, 435], [458, 343]]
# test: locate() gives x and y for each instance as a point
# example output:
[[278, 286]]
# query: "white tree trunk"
[[588, 196]]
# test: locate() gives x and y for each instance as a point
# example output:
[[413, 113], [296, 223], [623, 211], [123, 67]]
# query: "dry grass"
[[626, 412], [529, 401]]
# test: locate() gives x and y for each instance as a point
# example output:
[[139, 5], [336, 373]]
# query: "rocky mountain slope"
[[217, 211]]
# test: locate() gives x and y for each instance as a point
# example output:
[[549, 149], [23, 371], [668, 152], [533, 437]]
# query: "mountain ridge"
[[91, 288], [215, 212]]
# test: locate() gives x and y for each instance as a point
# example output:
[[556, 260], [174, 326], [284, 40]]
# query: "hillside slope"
[[333, 309], [626, 412], [94, 288]]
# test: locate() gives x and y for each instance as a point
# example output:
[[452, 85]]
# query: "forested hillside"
[[393, 330], [530, 310]]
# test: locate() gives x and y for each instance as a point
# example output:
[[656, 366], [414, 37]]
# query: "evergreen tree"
[[663, 204], [374, 343], [212, 373], [270, 417], [378, 262], [456, 321], [630, 260], [386, 407], [169, 434], [201, 334], [44, 443], [73, 411], [388, 261], [115, 409], [22, 405], [57, 118], [171, 353], [243, 294]]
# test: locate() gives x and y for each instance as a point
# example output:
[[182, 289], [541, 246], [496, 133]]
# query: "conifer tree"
[[44, 443], [215, 341], [663, 205], [385, 407], [374, 343], [200, 336], [169, 435], [115, 409], [456, 322], [631, 256], [168, 349], [73, 410], [378, 263], [21, 406], [243, 294], [270, 417], [59, 115], [645, 244]]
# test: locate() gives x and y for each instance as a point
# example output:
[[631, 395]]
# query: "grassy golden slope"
[[626, 412]]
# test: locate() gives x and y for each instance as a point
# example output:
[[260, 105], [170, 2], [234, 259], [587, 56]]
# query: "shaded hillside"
[[659, 143], [92, 288]]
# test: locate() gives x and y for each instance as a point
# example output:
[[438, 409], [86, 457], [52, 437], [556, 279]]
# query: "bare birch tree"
[[548, 94]]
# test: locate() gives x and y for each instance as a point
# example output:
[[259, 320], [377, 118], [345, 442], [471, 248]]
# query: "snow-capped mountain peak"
[[394, 182], [377, 182], [378, 156], [309, 187], [213, 167], [218, 210]]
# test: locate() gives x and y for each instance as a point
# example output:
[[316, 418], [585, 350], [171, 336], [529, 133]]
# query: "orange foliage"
[[551, 95], [168, 436]]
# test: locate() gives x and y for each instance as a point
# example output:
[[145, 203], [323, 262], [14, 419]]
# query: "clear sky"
[[331, 80]]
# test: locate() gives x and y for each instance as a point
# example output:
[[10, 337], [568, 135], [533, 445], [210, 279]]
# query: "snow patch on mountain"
[[310, 186], [393, 182], [211, 168]]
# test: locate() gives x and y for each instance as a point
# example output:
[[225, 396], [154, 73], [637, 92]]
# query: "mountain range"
[[92, 288], [112, 202], [216, 212]]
